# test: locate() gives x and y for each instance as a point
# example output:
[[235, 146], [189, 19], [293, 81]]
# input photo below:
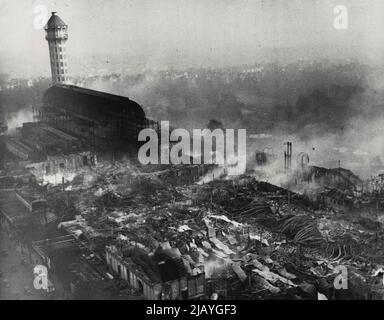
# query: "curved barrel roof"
[[91, 104]]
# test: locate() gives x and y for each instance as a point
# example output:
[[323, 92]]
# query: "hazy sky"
[[160, 33]]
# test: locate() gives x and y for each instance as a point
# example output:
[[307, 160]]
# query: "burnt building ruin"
[[102, 121], [73, 124]]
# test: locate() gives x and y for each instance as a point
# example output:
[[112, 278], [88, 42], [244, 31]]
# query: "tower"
[[57, 35]]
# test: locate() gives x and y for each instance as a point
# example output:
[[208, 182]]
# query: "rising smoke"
[[16, 119], [332, 112]]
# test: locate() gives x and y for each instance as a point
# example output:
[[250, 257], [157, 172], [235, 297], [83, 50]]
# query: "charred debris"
[[162, 233], [107, 227]]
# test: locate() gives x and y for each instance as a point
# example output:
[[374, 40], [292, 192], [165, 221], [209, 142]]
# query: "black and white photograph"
[[211, 151]]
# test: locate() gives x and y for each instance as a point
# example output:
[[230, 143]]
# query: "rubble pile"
[[252, 239]]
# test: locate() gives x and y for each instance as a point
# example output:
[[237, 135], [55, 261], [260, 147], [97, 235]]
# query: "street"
[[16, 277]]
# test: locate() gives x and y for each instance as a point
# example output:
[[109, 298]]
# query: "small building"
[[164, 276]]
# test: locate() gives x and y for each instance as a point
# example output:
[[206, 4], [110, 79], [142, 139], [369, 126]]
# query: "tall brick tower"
[[57, 35]]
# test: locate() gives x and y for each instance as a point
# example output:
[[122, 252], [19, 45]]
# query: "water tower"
[[57, 36]]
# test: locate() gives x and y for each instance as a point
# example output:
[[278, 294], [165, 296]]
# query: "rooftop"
[[55, 22], [91, 103]]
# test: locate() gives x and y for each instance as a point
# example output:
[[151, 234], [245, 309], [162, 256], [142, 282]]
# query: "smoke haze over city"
[[181, 34]]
